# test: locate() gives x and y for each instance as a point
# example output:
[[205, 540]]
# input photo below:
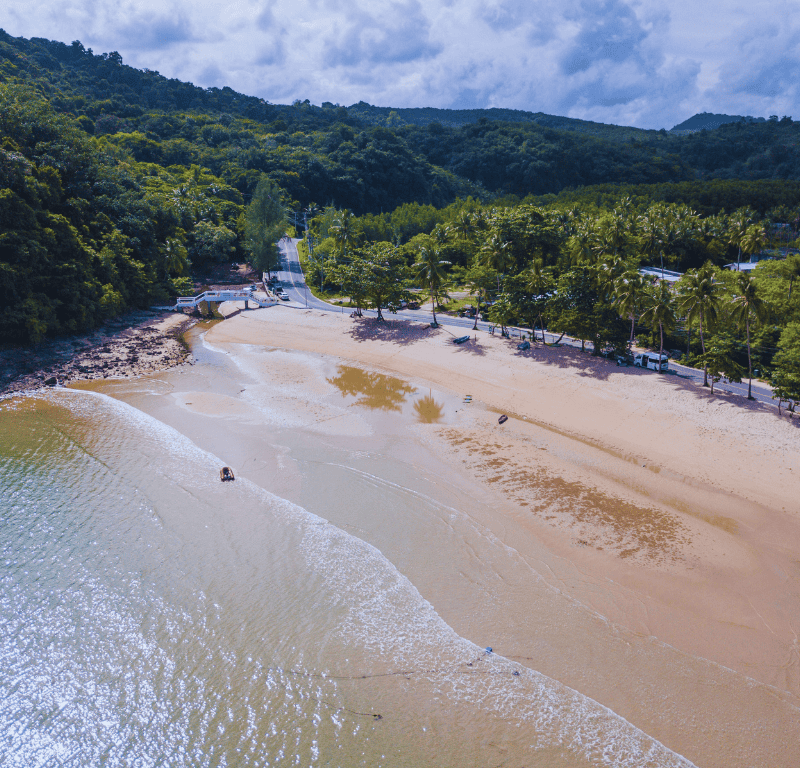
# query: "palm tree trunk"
[[703, 347], [661, 349], [633, 320], [749, 363], [433, 304]]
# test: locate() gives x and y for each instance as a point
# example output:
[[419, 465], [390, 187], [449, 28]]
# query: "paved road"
[[294, 283]]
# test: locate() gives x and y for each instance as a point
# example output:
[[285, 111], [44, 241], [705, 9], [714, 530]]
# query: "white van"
[[651, 360]]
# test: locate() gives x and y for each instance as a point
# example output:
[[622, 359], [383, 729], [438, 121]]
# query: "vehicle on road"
[[651, 360]]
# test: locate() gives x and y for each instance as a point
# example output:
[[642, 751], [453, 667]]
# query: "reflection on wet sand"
[[374, 390], [428, 411]]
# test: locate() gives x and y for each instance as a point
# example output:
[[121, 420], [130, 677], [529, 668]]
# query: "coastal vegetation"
[[576, 271], [117, 185]]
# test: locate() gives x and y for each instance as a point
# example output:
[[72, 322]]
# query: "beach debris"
[[51, 382], [515, 673], [461, 339], [467, 398], [226, 474], [503, 419], [488, 649], [525, 345]]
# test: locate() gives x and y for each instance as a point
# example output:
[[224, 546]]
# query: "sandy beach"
[[673, 514]]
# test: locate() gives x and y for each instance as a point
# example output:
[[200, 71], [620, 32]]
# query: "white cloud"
[[623, 61]]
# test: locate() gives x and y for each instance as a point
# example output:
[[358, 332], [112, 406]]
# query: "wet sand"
[[667, 512]]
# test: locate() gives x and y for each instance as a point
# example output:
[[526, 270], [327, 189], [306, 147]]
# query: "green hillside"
[[117, 183]]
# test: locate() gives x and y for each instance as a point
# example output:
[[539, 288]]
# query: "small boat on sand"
[[226, 474]]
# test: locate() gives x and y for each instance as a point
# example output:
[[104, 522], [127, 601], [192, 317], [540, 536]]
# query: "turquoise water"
[[153, 616]]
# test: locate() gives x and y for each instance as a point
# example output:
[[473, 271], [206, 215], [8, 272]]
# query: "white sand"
[[683, 507]]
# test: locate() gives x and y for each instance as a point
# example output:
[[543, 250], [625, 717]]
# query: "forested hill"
[[116, 183], [710, 121], [455, 118]]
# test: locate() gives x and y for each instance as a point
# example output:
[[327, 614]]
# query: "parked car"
[[651, 360], [625, 360]]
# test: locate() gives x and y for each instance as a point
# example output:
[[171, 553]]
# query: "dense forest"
[[575, 270], [117, 184]]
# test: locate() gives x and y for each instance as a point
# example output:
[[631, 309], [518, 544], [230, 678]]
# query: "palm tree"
[[737, 230], [791, 271], [479, 278], [496, 254], [699, 301], [537, 283], [631, 289], [428, 268], [755, 238], [342, 231], [612, 236], [439, 235], [580, 245], [748, 306], [463, 226], [650, 226], [660, 312]]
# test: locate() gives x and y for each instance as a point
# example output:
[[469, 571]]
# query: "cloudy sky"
[[647, 63]]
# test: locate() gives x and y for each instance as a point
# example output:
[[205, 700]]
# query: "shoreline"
[[132, 345], [676, 508], [575, 538]]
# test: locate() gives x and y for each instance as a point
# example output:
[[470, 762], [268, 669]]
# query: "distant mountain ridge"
[[368, 158], [456, 118], [709, 121]]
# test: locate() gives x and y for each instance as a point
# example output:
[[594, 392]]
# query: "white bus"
[[651, 360]]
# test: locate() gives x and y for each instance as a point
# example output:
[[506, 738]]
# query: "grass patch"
[[453, 306]]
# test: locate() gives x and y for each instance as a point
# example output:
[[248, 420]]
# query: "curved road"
[[294, 283]]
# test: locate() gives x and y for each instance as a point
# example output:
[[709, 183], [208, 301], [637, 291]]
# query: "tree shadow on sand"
[[587, 365], [395, 331], [568, 358]]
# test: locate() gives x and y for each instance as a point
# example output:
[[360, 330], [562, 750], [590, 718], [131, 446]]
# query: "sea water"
[[153, 616]]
